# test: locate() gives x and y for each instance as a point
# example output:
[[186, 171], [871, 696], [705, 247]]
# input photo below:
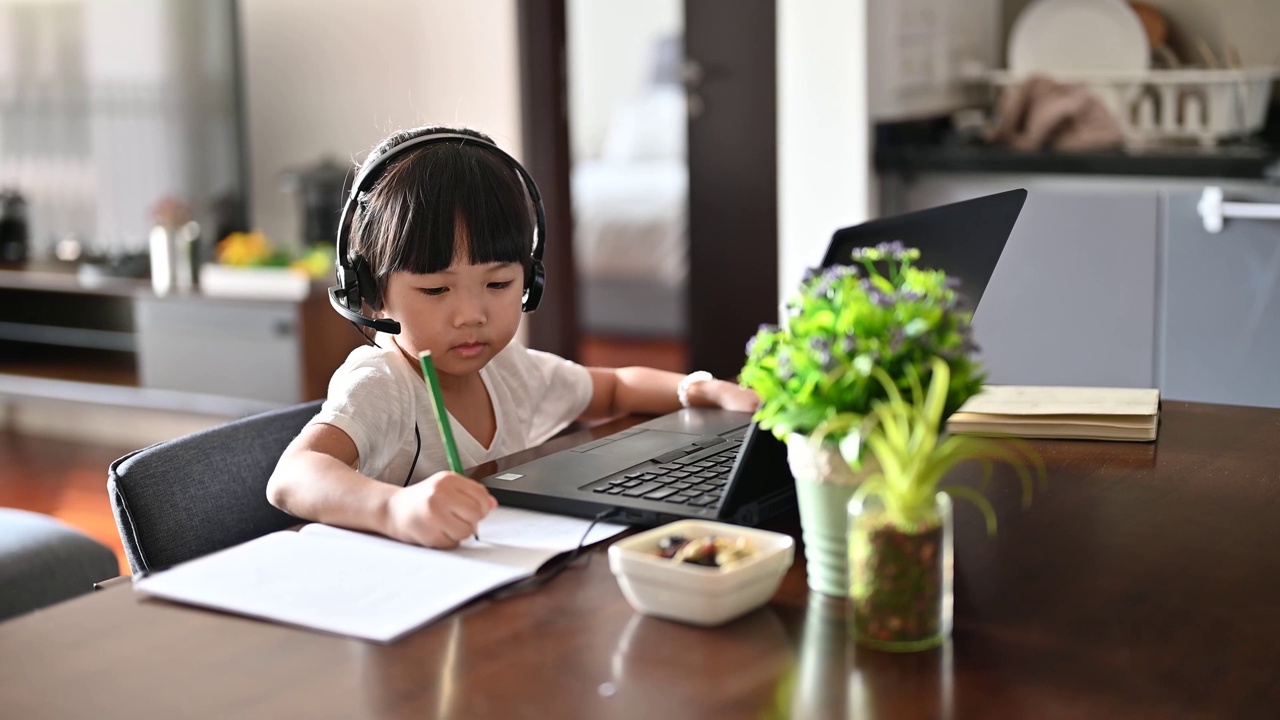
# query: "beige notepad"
[[1087, 413]]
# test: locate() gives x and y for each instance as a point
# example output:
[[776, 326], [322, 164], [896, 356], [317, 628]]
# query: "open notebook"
[[1085, 413], [365, 586]]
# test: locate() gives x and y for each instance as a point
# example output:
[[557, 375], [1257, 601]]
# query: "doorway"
[[650, 127]]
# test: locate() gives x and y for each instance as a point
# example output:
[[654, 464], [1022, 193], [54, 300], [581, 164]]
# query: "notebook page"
[[513, 527], [324, 584], [508, 536]]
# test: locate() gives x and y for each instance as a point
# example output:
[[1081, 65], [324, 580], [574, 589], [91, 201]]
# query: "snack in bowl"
[[708, 551], [700, 572]]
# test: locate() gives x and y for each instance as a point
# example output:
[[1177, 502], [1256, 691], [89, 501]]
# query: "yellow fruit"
[[244, 249]]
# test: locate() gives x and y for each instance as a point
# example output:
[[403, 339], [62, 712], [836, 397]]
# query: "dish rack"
[[1161, 106]]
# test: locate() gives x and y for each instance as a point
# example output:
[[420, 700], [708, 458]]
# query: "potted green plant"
[[900, 545], [815, 376]]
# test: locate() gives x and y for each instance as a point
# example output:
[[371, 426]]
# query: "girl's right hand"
[[439, 512]]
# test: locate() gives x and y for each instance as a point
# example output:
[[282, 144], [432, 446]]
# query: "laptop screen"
[[963, 239]]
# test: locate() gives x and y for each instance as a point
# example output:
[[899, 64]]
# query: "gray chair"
[[197, 494], [42, 562]]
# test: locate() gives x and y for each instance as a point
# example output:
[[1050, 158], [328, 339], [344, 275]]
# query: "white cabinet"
[[233, 348], [278, 351]]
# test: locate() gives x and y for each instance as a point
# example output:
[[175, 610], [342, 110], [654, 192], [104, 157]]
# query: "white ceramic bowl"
[[696, 594]]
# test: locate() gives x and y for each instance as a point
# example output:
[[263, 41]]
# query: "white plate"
[[1071, 36]]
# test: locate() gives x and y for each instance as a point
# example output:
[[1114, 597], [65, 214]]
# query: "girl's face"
[[464, 315]]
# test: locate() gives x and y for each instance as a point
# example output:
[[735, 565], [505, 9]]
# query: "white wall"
[[331, 77], [610, 46], [824, 144], [919, 52]]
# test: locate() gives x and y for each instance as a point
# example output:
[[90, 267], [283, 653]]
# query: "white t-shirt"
[[376, 395]]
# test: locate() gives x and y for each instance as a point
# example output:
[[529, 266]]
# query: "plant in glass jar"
[[900, 544], [815, 375]]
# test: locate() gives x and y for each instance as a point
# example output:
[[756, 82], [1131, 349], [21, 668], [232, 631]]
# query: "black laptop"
[[718, 465]]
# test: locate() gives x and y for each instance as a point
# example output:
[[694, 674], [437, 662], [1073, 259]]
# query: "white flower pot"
[[824, 484]]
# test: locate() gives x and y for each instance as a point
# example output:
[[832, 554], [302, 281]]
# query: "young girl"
[[446, 231]]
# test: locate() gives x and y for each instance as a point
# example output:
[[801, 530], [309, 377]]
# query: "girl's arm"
[[316, 479], [647, 391]]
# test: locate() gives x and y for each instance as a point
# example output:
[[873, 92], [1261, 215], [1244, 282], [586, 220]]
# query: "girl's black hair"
[[409, 218]]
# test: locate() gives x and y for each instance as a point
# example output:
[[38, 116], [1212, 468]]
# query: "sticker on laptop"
[[508, 476]]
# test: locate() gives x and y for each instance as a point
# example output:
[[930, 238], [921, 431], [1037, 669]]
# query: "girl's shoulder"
[[372, 364]]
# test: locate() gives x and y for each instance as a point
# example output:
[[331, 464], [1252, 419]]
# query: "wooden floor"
[[616, 352], [68, 480]]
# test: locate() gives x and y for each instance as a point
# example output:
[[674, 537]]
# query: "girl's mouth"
[[469, 350]]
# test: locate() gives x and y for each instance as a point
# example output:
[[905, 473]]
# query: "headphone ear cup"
[[535, 282], [366, 288]]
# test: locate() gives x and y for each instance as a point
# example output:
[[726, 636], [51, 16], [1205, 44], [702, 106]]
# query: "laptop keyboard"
[[696, 476]]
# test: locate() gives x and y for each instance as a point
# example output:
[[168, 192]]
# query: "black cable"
[[363, 334], [417, 438], [560, 566]]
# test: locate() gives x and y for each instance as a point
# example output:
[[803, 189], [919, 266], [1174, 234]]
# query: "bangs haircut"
[[430, 198]]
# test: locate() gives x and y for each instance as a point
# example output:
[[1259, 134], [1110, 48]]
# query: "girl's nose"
[[470, 311]]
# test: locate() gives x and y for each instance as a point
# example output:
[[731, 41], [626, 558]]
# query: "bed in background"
[[630, 208]]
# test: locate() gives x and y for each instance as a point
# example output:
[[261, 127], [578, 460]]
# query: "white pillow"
[[653, 126]]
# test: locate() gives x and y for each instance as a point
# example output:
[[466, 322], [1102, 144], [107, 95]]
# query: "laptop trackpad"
[[643, 445]]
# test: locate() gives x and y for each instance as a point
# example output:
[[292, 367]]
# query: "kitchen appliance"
[[320, 190], [13, 227]]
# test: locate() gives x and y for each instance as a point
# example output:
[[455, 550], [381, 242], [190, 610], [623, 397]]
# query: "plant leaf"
[[977, 499]]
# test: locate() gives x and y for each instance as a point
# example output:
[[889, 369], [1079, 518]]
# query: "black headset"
[[356, 284]]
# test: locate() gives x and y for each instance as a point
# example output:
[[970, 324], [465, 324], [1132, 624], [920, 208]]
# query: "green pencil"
[[442, 416]]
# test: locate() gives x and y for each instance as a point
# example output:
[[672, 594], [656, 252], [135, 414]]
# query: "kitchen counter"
[[63, 278], [111, 340], [1245, 162], [934, 147]]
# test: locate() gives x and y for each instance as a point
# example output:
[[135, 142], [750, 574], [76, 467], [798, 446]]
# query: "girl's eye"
[[434, 291], [500, 285]]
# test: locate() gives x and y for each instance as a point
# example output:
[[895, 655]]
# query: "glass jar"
[[900, 575]]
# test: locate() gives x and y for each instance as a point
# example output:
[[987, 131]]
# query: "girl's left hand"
[[729, 396]]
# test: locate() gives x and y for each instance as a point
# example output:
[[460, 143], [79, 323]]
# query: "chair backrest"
[[193, 495]]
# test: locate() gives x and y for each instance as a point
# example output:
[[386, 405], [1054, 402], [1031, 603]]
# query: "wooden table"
[[1144, 583]]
